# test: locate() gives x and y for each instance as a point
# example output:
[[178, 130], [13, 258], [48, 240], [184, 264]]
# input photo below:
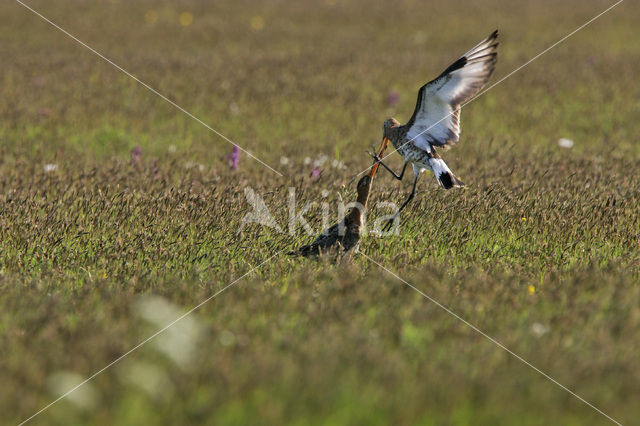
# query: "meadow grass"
[[540, 250]]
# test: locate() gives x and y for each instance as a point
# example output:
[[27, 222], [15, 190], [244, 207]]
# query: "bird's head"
[[363, 184], [389, 123], [363, 188]]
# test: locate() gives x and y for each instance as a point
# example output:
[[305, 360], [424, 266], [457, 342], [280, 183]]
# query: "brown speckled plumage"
[[345, 234]]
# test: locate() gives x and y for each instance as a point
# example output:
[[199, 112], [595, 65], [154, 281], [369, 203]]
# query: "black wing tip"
[[462, 61], [492, 39]]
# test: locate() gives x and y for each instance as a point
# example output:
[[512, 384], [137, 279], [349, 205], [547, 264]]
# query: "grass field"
[[101, 248]]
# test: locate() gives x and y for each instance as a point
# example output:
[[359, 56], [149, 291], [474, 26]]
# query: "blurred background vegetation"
[[118, 213]]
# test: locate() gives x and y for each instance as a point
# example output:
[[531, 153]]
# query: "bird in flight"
[[436, 119]]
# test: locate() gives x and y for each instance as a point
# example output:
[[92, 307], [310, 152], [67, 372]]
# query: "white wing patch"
[[436, 119], [435, 124]]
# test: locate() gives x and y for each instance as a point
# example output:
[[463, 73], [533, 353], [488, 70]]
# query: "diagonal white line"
[[151, 89], [494, 341], [504, 78], [541, 53], [154, 335], [262, 263]]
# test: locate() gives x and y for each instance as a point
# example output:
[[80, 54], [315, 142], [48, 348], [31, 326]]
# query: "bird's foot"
[[374, 155], [389, 225]]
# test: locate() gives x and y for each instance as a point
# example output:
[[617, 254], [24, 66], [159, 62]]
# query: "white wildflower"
[[539, 329], [84, 397], [565, 143], [148, 377], [320, 161], [178, 342], [226, 338]]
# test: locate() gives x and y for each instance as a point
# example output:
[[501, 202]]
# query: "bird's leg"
[[389, 223], [394, 174]]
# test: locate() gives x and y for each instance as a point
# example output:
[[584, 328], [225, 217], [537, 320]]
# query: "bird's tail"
[[443, 173], [308, 250]]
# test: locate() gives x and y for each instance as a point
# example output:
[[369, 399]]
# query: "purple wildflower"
[[38, 81], [393, 98], [315, 173], [234, 157], [154, 169], [136, 155]]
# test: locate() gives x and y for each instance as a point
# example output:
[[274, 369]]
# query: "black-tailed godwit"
[[346, 233], [436, 119]]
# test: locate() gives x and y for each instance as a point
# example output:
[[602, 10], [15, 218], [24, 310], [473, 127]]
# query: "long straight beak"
[[381, 150]]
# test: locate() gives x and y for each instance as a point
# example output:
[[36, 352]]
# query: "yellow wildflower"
[[186, 19], [257, 23]]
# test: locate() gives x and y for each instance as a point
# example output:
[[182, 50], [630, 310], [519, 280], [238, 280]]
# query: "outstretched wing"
[[436, 119]]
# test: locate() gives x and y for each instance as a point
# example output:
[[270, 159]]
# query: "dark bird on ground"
[[345, 234], [436, 119]]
